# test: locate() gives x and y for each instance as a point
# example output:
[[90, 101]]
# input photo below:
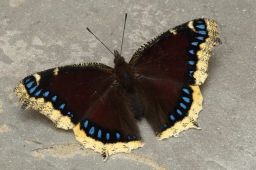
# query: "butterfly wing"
[[170, 69], [181, 53], [78, 97], [110, 127]]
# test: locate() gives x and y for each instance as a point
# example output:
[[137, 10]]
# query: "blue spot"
[[54, 98], [129, 137], [91, 132], [107, 136], [62, 106], [202, 32], [33, 89], [30, 84], [191, 62], [38, 92], [172, 117], [179, 111], [200, 38], [85, 123], [191, 73], [117, 135], [46, 93], [186, 90], [186, 99], [99, 134], [201, 26], [195, 43], [71, 114], [27, 80], [191, 52], [183, 106]]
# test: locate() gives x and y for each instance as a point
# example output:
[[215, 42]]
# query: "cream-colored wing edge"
[[205, 51], [44, 107], [190, 121]]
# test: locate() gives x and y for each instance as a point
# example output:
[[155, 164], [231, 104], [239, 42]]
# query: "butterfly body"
[[102, 104], [123, 73]]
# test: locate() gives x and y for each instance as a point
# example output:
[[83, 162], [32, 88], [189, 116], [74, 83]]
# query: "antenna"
[[99, 40], [125, 18]]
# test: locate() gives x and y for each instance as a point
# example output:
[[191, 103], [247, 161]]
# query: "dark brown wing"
[[180, 54], [83, 98], [171, 65], [110, 124]]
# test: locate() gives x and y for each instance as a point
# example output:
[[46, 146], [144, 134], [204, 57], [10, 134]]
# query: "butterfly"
[[102, 105]]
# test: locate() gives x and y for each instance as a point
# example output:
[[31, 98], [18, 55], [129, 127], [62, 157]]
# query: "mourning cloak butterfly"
[[102, 104]]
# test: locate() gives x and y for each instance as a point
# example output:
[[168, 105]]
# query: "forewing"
[[180, 54], [64, 94]]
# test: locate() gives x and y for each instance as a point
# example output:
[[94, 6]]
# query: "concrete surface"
[[36, 35]]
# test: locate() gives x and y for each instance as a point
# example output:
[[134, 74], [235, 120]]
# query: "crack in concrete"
[[62, 151], [30, 141]]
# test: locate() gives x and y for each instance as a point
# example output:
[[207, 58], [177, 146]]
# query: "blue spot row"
[[183, 106], [34, 90], [201, 33], [100, 134]]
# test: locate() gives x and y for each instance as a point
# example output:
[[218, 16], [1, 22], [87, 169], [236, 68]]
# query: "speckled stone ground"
[[36, 35]]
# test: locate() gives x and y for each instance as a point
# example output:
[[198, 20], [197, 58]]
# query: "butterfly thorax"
[[123, 72]]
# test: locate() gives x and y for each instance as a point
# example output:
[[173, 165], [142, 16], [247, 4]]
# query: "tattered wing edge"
[[190, 121], [44, 107], [204, 53], [105, 149]]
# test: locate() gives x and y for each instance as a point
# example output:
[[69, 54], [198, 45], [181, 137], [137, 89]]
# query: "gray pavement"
[[37, 35]]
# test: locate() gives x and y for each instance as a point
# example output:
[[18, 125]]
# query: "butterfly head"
[[118, 60]]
